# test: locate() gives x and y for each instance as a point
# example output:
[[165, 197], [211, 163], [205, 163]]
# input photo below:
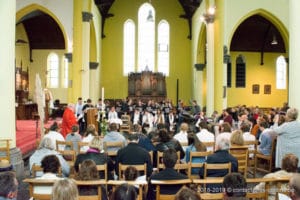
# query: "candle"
[[102, 97]]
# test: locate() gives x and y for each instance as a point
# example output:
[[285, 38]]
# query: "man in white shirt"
[[54, 135], [245, 127], [79, 115], [204, 135], [182, 135]]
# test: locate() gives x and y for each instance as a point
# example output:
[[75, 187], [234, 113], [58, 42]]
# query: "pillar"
[[210, 68], [294, 58], [7, 77], [85, 71]]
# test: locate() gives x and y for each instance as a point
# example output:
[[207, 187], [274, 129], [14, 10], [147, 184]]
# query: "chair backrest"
[[151, 156], [252, 146], [160, 165], [258, 194], [37, 168], [122, 168], [61, 145], [268, 158], [5, 148], [118, 144], [95, 183], [196, 154], [80, 145], [241, 154], [205, 194], [39, 182], [210, 144], [103, 168], [142, 185], [159, 183], [216, 166]]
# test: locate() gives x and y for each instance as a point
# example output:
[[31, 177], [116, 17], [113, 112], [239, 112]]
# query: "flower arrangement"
[[103, 124]]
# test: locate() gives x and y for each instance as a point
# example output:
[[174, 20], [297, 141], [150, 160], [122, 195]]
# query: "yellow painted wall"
[[39, 65], [22, 50], [116, 85], [256, 74]]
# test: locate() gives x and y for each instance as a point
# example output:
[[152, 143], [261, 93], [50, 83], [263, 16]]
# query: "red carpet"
[[27, 134]]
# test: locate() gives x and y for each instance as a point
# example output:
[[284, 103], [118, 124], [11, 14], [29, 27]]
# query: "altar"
[[147, 85]]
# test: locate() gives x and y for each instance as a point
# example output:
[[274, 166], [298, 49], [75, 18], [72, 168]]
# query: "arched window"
[[163, 47], [66, 73], [240, 76], [146, 35], [52, 70], [129, 47], [280, 73]]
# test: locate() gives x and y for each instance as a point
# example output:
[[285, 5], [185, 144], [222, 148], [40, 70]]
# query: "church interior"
[[218, 53]]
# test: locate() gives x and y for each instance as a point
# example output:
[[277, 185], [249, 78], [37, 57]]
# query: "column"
[[294, 58], [7, 77], [210, 68], [85, 71]]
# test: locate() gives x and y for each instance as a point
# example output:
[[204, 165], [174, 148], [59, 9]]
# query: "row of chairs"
[[250, 194]]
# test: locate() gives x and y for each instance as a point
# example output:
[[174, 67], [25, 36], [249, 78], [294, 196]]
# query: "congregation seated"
[[65, 189], [89, 134], [168, 173], [50, 165], [94, 153], [234, 187], [87, 172], [265, 138], [195, 145], [167, 142], [289, 166], [186, 193], [124, 192], [55, 135], [236, 138], [114, 136], [45, 148], [74, 137], [204, 135], [133, 154], [8, 185], [221, 155]]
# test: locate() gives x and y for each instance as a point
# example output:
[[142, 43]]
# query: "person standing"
[[288, 136], [68, 120], [79, 115]]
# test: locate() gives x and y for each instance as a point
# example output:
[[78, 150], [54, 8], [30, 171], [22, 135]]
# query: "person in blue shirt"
[[194, 145]]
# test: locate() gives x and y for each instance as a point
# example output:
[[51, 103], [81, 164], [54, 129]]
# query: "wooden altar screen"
[[147, 85]]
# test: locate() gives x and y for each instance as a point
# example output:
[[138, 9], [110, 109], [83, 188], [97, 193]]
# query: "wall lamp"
[[209, 16]]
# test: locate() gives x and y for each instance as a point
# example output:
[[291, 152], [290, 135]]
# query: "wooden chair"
[[39, 182], [159, 183], [70, 157], [241, 154], [264, 193], [125, 128], [151, 156], [122, 168], [103, 168], [252, 146], [5, 148], [61, 145], [282, 186], [266, 158], [201, 183], [37, 168], [80, 145], [106, 145], [210, 144], [196, 154], [216, 166], [160, 165], [182, 167], [96, 183], [141, 184]]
